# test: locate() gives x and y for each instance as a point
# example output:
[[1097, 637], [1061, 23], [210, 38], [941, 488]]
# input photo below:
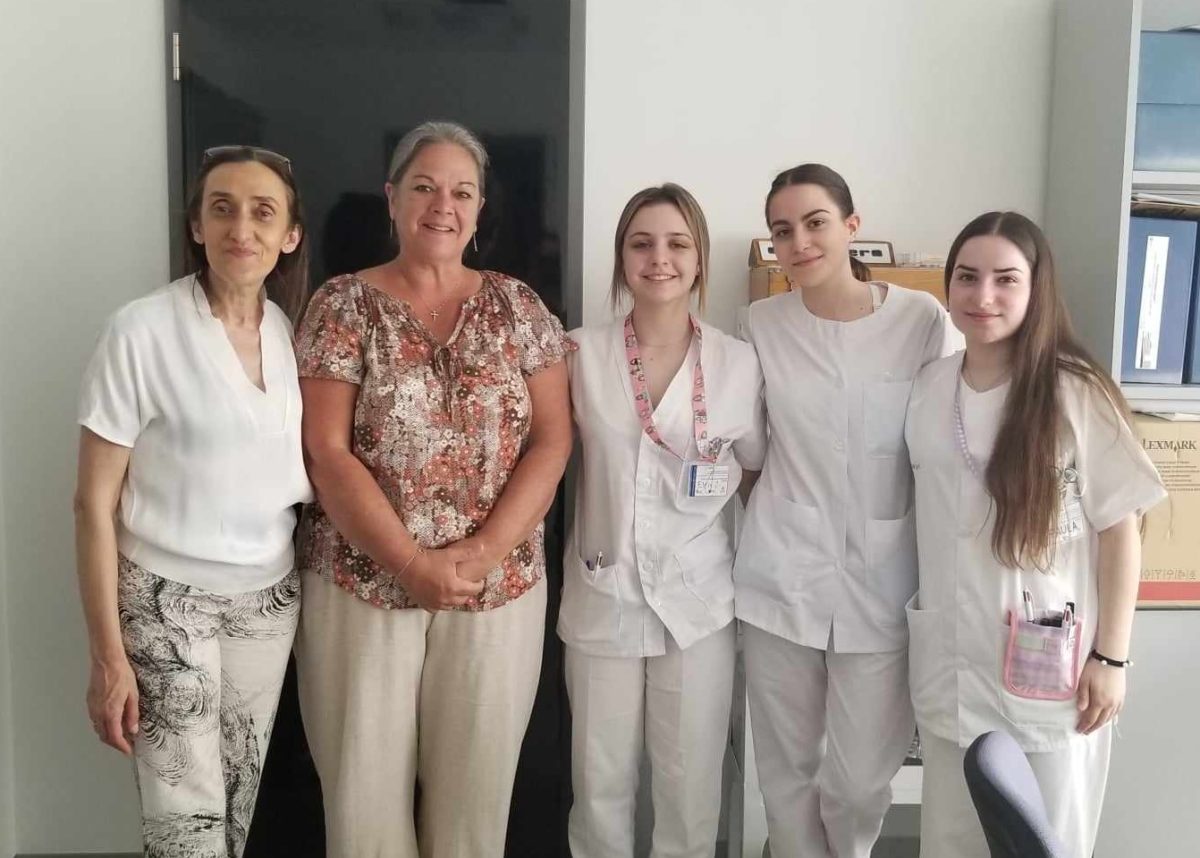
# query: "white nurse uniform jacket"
[[958, 620], [666, 554], [828, 545]]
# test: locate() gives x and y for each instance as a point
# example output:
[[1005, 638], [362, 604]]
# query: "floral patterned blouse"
[[440, 427]]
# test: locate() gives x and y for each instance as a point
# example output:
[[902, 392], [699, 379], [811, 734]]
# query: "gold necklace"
[[434, 312]]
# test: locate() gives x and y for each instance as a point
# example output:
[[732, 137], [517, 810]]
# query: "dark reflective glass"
[[332, 87]]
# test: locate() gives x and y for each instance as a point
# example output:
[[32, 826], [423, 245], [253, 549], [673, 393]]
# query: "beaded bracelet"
[[1111, 662]]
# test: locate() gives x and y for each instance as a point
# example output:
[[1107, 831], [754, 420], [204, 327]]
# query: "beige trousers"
[[393, 698]]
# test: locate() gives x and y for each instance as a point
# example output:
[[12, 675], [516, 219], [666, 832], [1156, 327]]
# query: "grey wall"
[[83, 221]]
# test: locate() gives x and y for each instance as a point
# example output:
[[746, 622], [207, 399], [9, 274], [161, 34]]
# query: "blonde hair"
[[692, 215]]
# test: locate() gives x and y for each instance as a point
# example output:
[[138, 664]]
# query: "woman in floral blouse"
[[436, 428]]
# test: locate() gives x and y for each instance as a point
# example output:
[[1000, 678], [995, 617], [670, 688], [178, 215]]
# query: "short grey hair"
[[436, 132]]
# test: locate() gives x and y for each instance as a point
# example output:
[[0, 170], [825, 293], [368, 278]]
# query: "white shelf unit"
[[1151, 180], [1090, 179]]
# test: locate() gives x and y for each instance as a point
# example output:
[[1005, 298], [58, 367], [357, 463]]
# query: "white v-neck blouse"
[[216, 463]]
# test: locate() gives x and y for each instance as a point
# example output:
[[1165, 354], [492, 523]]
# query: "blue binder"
[[1191, 368], [1158, 299]]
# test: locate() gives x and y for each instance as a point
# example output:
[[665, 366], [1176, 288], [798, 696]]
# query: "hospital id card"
[[707, 481], [1070, 518]]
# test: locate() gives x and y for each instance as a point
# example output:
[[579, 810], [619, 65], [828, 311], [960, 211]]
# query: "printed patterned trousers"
[[209, 668]]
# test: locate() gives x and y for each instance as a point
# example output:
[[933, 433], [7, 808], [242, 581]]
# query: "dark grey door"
[[333, 86]]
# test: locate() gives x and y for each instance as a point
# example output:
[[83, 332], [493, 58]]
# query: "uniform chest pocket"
[[884, 406]]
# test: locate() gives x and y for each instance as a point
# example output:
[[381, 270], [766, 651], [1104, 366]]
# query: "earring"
[[475, 240]]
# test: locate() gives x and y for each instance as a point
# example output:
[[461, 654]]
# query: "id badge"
[[1070, 520], [1070, 511], [706, 480]]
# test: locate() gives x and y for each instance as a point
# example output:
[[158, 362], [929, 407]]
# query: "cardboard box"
[[1171, 546], [766, 275], [765, 282], [926, 279]]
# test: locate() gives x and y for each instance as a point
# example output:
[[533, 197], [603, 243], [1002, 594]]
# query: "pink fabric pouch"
[[1041, 662]]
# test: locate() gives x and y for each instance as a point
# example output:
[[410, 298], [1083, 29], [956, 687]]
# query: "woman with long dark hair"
[[827, 560], [189, 469], [1029, 485]]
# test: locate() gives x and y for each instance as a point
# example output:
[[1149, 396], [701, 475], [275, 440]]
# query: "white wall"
[[934, 112], [8, 836], [83, 218]]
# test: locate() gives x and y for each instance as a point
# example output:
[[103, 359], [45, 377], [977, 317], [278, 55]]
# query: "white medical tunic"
[[958, 620], [667, 556], [828, 547]]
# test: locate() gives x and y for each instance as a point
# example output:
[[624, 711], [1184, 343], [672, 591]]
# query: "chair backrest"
[[1008, 799]]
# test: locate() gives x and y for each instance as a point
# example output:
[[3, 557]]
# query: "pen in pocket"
[[593, 565]]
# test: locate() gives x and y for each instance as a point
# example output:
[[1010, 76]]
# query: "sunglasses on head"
[[266, 155]]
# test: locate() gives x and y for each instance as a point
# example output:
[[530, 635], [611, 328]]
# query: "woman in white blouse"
[[1029, 485], [189, 467], [827, 558], [669, 412]]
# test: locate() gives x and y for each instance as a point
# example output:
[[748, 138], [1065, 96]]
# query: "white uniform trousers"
[[390, 697], [676, 705], [830, 732], [1072, 781]]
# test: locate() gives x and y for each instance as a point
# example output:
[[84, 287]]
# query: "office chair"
[[1008, 799]]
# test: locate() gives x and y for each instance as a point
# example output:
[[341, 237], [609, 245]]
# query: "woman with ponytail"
[[1029, 485], [827, 558]]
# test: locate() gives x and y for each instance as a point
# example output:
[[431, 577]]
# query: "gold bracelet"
[[420, 550]]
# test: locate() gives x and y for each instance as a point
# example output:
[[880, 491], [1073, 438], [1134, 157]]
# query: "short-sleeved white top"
[[667, 548], [828, 546], [216, 463], [958, 620]]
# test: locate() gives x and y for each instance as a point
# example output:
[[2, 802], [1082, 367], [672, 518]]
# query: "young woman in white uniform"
[[669, 411], [827, 558], [1029, 484]]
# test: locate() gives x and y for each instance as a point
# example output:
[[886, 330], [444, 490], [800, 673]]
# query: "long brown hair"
[[833, 183], [287, 284], [1020, 476], [692, 215]]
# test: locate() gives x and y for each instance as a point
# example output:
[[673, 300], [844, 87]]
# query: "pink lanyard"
[[641, 397]]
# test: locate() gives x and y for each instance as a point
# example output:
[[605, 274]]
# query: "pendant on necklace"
[[433, 314]]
